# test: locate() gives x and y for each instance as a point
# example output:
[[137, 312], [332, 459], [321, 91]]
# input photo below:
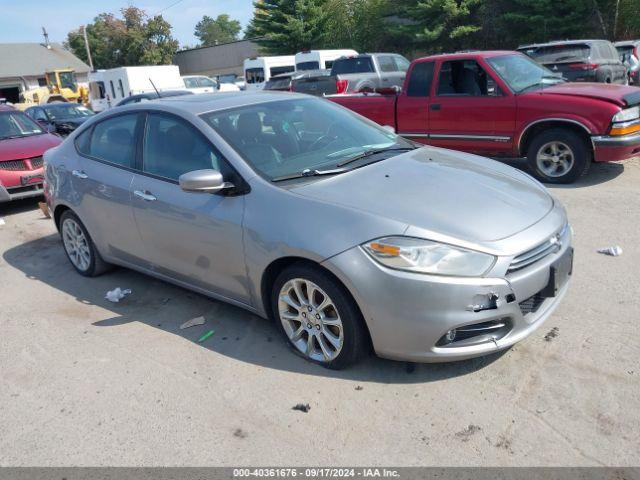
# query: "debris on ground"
[[359, 387], [240, 433], [117, 294], [205, 336], [551, 334], [614, 251], [302, 407], [1, 221], [45, 209], [466, 433], [192, 323]]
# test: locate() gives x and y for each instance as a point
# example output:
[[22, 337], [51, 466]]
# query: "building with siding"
[[23, 66], [224, 59]]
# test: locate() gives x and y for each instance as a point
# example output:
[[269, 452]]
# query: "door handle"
[[79, 174], [146, 196], [434, 106]]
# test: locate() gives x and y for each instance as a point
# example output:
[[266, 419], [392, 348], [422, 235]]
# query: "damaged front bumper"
[[427, 318]]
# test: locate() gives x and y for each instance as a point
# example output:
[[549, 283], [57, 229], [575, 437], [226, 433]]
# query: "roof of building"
[[33, 59]]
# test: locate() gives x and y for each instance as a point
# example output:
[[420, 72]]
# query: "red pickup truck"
[[503, 104]]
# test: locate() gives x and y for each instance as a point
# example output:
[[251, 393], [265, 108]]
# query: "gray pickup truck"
[[367, 72]]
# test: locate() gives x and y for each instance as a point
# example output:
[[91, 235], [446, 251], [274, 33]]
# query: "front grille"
[[530, 257], [36, 162], [13, 165], [531, 304]]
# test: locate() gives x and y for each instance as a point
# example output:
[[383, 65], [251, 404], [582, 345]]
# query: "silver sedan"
[[296, 209]]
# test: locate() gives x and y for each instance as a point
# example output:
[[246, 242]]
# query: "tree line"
[[411, 27]]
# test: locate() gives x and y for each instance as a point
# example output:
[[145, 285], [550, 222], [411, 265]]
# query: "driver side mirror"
[[203, 181]]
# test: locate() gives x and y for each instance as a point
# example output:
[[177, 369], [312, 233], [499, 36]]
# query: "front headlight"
[[627, 114], [424, 256]]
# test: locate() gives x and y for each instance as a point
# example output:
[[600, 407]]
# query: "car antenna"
[[154, 87]]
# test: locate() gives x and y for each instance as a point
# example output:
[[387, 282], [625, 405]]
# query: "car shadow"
[[8, 209], [599, 172], [237, 334]]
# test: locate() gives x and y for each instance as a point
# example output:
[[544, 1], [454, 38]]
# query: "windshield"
[[16, 125], [344, 66], [522, 73], [68, 80], [67, 111], [286, 137], [558, 53]]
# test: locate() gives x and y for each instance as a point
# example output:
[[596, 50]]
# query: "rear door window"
[[345, 66], [387, 63], [254, 75], [113, 140], [191, 82], [172, 147]]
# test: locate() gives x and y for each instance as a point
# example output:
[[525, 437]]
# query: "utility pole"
[[86, 44]]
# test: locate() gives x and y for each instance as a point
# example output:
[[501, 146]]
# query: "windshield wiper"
[[540, 82], [375, 151], [309, 173]]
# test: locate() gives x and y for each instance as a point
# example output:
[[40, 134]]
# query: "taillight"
[[583, 66], [342, 86]]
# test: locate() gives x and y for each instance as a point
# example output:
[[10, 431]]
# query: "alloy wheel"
[[555, 159], [76, 244], [310, 320]]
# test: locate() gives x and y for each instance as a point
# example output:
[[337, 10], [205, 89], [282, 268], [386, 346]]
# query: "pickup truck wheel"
[[558, 156]]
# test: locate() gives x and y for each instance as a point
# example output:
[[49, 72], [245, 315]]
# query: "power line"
[[167, 8]]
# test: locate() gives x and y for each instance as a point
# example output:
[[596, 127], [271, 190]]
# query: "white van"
[[258, 70], [320, 59], [113, 85]]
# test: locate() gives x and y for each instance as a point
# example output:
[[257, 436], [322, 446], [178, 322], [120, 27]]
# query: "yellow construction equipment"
[[62, 86]]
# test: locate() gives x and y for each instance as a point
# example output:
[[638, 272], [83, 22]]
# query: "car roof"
[[560, 42], [208, 102], [469, 54]]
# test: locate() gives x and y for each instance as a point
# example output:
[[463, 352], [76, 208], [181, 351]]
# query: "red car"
[[22, 144], [503, 104]]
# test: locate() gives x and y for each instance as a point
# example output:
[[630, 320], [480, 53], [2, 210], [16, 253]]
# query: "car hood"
[[601, 91], [27, 147], [455, 194]]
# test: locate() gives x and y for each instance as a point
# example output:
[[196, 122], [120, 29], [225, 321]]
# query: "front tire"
[[80, 249], [318, 317], [558, 156]]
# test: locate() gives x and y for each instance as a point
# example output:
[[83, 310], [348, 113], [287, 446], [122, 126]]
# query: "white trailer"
[[113, 85], [320, 59], [258, 70]]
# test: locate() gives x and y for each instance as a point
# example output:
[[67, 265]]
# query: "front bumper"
[[608, 148], [408, 314]]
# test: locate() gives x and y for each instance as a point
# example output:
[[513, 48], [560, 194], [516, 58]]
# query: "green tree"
[[214, 31], [132, 39], [442, 25], [288, 26]]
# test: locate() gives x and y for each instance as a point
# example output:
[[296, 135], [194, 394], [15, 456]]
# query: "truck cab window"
[[462, 77], [420, 80]]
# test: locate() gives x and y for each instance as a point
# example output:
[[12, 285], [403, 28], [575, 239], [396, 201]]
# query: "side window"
[[113, 90], [173, 147], [120, 88], [420, 80], [463, 77], [387, 64], [113, 140], [402, 63], [38, 114], [83, 142], [191, 83]]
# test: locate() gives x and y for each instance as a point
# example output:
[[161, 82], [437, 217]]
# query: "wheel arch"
[[57, 214], [279, 265], [538, 126]]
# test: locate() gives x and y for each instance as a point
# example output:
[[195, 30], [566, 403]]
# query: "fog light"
[[450, 335]]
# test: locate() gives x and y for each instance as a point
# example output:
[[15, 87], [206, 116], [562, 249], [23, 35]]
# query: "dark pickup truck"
[[503, 104]]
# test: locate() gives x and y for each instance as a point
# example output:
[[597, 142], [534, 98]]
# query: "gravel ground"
[[87, 382]]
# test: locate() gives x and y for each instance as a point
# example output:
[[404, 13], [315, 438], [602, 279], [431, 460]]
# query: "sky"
[[23, 21]]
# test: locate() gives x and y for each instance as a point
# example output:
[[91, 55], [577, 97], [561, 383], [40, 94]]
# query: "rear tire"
[[79, 247], [558, 156], [317, 317]]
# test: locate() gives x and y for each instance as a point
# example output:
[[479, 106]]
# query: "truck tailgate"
[[379, 108]]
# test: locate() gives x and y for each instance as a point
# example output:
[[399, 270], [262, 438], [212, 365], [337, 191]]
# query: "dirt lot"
[[88, 382]]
